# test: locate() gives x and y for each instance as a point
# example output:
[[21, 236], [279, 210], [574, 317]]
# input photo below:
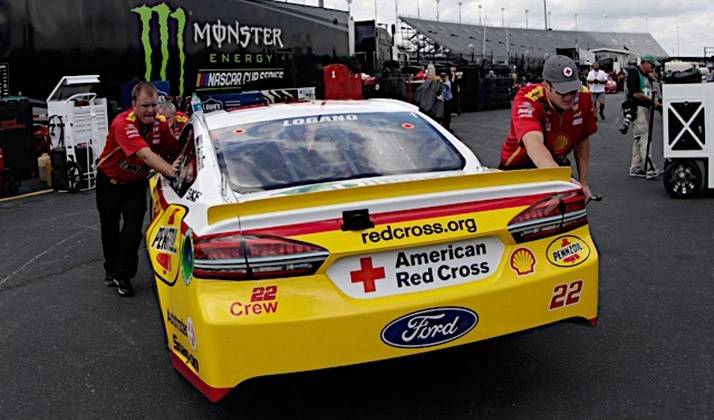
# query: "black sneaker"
[[637, 173], [602, 116], [109, 280], [653, 174], [124, 288]]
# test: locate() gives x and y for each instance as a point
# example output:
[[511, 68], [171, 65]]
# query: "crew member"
[[551, 119], [135, 139], [177, 120]]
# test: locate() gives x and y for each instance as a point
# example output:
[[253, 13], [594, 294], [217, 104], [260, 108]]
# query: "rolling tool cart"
[[78, 129], [688, 113]]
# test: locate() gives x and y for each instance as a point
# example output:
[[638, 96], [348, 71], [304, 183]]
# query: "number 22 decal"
[[566, 294], [264, 293]]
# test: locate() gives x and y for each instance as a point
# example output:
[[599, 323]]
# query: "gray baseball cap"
[[562, 73]]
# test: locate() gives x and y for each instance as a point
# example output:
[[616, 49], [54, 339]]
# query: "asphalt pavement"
[[72, 348]]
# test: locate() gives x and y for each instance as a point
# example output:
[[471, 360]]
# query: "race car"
[[319, 234]]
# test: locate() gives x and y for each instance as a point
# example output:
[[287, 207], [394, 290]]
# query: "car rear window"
[[323, 148]]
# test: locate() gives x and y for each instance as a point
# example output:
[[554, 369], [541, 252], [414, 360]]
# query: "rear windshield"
[[308, 150]]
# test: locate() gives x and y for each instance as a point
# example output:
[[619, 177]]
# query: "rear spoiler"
[[376, 192]]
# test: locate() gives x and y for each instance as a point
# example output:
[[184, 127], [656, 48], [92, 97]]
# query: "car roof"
[[221, 119]]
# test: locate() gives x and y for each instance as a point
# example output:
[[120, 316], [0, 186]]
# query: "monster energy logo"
[[163, 12]]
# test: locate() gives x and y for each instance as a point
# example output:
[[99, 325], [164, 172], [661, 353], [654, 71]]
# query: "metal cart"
[[78, 129], [688, 114]]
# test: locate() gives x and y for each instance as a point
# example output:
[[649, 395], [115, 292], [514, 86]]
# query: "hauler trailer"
[[688, 114], [222, 45]]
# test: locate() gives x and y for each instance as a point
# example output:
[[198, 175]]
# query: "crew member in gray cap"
[[551, 119]]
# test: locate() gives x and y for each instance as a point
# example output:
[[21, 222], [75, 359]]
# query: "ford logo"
[[429, 327]]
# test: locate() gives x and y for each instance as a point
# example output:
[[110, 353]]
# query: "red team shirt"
[[180, 122], [123, 165], [532, 111]]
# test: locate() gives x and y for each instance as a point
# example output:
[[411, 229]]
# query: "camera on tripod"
[[628, 112]]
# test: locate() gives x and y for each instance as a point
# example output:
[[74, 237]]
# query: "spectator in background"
[[640, 92], [448, 101], [430, 95], [455, 90], [421, 74], [597, 79], [621, 78], [514, 76]]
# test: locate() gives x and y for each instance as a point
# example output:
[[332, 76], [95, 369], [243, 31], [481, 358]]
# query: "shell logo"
[[561, 143], [523, 262]]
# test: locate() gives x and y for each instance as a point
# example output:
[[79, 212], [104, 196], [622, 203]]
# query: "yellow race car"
[[320, 234]]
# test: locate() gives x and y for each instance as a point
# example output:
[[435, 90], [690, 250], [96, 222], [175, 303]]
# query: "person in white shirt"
[[597, 79]]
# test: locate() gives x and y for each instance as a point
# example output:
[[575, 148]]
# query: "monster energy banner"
[[196, 45]]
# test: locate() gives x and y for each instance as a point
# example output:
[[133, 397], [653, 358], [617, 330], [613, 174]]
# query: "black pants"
[[121, 214], [446, 122]]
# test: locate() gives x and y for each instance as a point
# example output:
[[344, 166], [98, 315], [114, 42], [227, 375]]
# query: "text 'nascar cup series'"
[[362, 227]]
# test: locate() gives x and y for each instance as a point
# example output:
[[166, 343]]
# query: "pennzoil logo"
[[164, 15], [523, 262], [568, 251], [165, 239]]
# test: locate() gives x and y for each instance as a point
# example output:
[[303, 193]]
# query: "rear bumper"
[[240, 330]]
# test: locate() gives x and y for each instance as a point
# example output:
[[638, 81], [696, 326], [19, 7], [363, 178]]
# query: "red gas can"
[[341, 83]]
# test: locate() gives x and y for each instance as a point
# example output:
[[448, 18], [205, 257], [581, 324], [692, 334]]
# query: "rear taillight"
[[550, 216], [254, 257]]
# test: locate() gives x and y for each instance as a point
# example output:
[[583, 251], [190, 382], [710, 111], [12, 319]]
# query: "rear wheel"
[[683, 178]]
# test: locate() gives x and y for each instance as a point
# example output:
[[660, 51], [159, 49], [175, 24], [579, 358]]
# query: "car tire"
[[73, 177], [683, 178]]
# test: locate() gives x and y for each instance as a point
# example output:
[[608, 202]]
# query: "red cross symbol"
[[367, 274]]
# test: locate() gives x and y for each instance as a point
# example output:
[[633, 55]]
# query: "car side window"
[[188, 168]]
